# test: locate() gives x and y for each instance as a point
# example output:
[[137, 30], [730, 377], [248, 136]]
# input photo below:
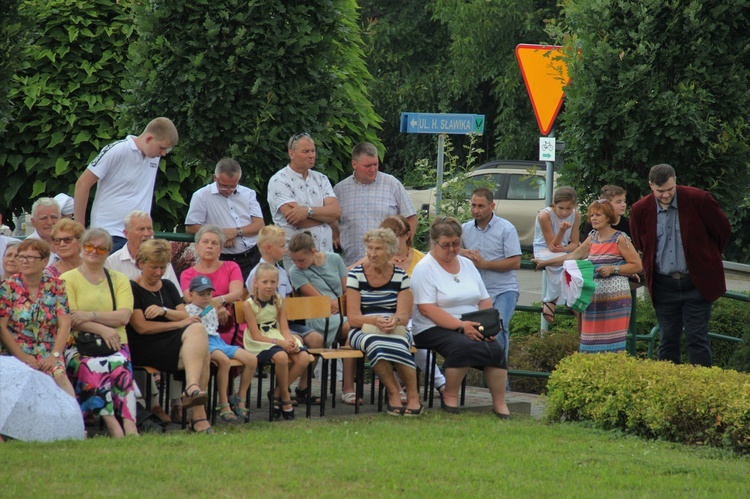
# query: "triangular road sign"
[[545, 74]]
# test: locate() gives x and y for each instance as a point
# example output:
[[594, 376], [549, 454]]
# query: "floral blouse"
[[33, 324]]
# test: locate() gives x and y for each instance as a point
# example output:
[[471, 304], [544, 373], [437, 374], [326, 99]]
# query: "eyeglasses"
[[66, 240], [454, 245], [297, 137], [27, 258], [223, 187], [90, 248]]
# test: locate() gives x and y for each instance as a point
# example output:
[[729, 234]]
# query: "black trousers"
[[247, 260]]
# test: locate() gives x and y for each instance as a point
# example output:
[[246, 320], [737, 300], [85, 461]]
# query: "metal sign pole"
[[550, 165], [440, 165]]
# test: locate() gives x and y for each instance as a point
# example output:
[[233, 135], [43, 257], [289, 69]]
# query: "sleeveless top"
[[539, 241]]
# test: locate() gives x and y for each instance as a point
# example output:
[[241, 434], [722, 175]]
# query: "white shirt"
[[122, 261], [209, 206], [288, 186], [284, 288], [456, 295], [126, 183]]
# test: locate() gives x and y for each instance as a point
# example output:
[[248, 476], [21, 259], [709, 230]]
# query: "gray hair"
[[43, 203], [214, 229], [10, 244], [386, 236], [364, 149], [135, 215], [96, 233], [228, 166]]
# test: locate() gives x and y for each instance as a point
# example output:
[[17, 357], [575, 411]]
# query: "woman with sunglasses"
[[66, 235], [34, 315], [445, 286], [101, 303]]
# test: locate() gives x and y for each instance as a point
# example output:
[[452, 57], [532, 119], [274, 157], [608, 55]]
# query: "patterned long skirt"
[[606, 320], [389, 347], [103, 385]]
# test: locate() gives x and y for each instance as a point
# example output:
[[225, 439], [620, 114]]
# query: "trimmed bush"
[[679, 403], [539, 353]]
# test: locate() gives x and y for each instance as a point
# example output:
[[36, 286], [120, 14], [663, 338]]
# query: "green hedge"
[[679, 403]]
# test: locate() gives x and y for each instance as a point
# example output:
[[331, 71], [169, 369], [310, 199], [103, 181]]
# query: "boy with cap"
[[200, 306]]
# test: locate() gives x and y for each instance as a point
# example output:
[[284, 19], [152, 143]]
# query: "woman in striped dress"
[[605, 323], [379, 304]]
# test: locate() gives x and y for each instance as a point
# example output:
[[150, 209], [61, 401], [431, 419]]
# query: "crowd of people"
[[86, 306]]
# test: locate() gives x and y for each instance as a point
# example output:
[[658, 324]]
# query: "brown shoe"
[[159, 413], [176, 413]]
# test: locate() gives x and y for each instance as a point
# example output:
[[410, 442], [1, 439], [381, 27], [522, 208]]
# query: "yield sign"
[[545, 75]]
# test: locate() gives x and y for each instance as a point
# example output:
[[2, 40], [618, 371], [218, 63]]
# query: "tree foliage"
[[65, 95], [239, 78], [12, 30], [658, 82]]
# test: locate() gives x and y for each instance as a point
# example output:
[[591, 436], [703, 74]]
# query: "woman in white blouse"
[[445, 286]]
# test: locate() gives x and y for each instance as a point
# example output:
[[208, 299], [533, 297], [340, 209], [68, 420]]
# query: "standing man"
[[492, 244], [302, 199], [45, 212], [126, 173], [367, 197], [232, 207], [682, 233]]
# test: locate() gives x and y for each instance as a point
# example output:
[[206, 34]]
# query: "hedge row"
[[679, 403]]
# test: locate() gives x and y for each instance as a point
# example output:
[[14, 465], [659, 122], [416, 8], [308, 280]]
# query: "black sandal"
[[207, 431], [288, 415], [548, 311], [301, 396], [394, 410], [413, 412], [196, 397], [276, 402]]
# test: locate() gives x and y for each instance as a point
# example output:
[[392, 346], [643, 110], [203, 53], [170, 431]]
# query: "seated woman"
[[317, 273], [66, 236], [164, 335], [445, 286], [101, 304], [34, 315], [379, 302], [10, 264], [268, 337]]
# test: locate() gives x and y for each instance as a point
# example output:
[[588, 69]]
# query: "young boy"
[[200, 295], [272, 246]]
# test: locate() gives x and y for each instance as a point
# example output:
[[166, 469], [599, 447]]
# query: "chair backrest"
[[307, 307], [239, 312]]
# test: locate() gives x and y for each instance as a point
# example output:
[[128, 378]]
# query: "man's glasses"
[[90, 248], [453, 245], [27, 258], [67, 240], [296, 138]]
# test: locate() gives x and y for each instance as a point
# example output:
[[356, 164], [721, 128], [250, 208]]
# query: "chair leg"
[[308, 408], [260, 384], [432, 363], [463, 391], [333, 383], [323, 386], [360, 382]]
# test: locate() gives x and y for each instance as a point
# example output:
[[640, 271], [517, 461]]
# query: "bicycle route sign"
[[438, 123]]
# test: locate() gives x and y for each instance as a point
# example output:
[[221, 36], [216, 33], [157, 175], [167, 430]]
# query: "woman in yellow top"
[[267, 336], [104, 385]]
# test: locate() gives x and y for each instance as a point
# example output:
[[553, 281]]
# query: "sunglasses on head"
[[295, 138]]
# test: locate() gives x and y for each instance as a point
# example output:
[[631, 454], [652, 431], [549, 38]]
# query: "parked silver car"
[[518, 186]]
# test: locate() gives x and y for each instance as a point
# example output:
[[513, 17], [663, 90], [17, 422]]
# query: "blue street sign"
[[456, 124]]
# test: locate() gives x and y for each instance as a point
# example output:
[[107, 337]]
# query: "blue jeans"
[[505, 303]]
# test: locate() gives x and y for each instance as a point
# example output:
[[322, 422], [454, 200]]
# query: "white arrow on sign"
[[413, 122]]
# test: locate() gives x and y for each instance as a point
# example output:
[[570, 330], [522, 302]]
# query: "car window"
[[492, 181], [526, 187]]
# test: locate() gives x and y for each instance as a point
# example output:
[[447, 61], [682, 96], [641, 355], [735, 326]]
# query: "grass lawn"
[[470, 455]]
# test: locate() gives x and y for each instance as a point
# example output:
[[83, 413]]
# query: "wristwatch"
[[617, 269], [310, 212], [165, 311], [56, 355], [239, 231]]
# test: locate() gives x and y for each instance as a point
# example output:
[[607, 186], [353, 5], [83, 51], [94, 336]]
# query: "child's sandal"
[[228, 415]]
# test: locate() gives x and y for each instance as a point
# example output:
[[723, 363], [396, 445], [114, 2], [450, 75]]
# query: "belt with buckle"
[[238, 256], [677, 276]]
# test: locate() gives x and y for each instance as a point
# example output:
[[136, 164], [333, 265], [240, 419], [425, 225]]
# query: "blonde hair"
[[163, 129], [156, 251], [268, 235], [385, 236], [276, 299]]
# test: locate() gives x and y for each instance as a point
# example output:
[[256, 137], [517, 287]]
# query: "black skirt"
[[461, 351]]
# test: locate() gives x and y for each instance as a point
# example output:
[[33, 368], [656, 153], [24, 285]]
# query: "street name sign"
[[439, 123]]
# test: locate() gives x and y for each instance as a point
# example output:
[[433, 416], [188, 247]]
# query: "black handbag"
[[93, 345], [489, 318]]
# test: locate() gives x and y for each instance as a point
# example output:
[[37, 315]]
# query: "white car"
[[519, 188]]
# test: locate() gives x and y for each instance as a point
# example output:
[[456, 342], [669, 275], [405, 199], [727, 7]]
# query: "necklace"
[[88, 277], [161, 298], [402, 260], [455, 277]]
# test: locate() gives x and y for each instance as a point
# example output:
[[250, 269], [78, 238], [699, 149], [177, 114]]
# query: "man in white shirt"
[[302, 199], [367, 197], [45, 212], [232, 207], [137, 229], [125, 172]]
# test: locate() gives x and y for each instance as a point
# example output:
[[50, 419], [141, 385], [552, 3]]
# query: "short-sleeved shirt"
[[364, 206], [497, 241], [380, 300], [209, 318], [123, 261], [284, 288], [456, 295], [221, 277], [209, 206], [288, 186], [82, 295], [33, 324], [126, 183]]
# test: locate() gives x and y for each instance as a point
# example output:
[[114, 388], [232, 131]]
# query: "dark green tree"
[[12, 31], [239, 78], [65, 95], [658, 82]]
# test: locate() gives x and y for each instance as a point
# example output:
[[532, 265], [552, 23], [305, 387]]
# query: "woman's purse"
[[489, 318], [93, 345]]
